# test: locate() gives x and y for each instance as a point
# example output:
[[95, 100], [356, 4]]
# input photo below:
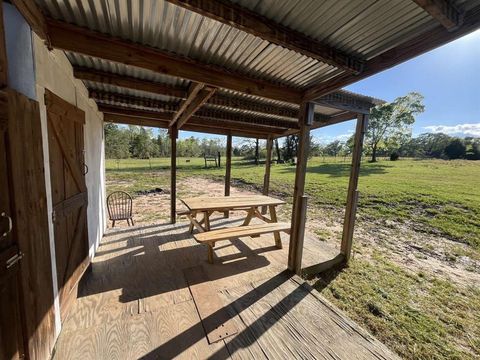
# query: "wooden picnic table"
[[249, 203]]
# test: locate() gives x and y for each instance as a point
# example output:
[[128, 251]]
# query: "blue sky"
[[448, 77]]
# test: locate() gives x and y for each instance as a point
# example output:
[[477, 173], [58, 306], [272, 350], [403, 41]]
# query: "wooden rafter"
[[138, 101], [219, 99], [420, 44], [323, 120], [196, 104], [172, 107], [247, 118], [193, 91], [444, 11], [77, 39], [129, 82], [208, 125], [258, 25], [198, 94]]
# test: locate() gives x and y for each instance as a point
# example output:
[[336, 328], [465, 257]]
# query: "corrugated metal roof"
[[168, 27], [363, 28], [122, 69]]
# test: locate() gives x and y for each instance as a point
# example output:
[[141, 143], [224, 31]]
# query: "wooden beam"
[[268, 165], [262, 27], [299, 202], [325, 121], [338, 99], [219, 99], [33, 15], [195, 104], [171, 106], [336, 119], [444, 11], [352, 194], [193, 91], [77, 39], [206, 125], [128, 82], [3, 53], [342, 100], [122, 99], [173, 174], [247, 118], [228, 169], [418, 45]]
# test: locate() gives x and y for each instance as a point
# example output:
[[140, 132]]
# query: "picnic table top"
[[205, 203]]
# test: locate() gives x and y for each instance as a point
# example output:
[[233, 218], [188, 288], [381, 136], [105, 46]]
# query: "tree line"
[[388, 134], [123, 142]]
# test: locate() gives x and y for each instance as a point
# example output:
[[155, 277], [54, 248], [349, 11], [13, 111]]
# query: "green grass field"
[[419, 315], [442, 195]]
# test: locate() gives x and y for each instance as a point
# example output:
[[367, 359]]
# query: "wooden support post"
[[298, 215], [266, 177], [352, 194], [300, 234], [173, 173], [228, 170]]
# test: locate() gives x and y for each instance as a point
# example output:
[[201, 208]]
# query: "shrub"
[[394, 156], [456, 149]]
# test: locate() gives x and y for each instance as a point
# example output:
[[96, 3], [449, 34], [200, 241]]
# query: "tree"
[[334, 148], [392, 120], [456, 149], [116, 142]]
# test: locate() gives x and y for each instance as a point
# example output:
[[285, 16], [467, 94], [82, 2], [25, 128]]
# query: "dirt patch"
[[416, 251]]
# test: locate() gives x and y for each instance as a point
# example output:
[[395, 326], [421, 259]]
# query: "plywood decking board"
[[215, 319], [136, 302]]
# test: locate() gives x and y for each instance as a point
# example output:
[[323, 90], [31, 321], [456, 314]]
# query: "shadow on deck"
[[138, 302]]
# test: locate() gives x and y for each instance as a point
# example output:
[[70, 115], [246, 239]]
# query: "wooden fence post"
[[173, 173], [352, 194], [298, 216], [266, 177], [228, 168]]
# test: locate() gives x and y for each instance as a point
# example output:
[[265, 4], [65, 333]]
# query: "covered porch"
[[151, 295], [232, 68]]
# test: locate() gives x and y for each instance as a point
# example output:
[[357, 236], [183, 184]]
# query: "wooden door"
[[11, 336], [69, 194]]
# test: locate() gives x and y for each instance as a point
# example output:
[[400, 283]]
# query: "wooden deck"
[[139, 302]]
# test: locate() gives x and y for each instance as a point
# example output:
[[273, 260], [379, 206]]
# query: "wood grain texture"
[[30, 212], [74, 38], [215, 319], [229, 202], [69, 194], [352, 192], [136, 302], [240, 231]]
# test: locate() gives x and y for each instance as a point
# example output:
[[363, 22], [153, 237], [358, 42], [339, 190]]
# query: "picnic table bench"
[[249, 203]]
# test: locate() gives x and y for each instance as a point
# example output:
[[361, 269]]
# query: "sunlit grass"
[[444, 196]]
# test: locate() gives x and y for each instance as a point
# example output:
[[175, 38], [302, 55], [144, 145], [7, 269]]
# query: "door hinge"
[[14, 259], [54, 216]]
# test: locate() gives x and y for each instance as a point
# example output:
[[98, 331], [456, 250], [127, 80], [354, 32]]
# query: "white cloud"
[[326, 139], [460, 129]]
